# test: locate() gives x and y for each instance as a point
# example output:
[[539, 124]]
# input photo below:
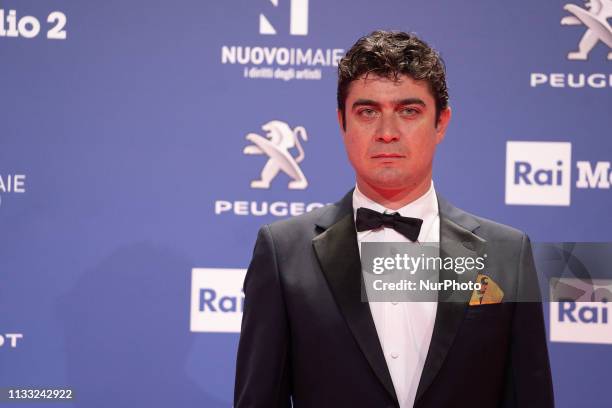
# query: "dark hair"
[[390, 54]]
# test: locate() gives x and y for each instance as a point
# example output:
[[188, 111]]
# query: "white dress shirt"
[[404, 328]]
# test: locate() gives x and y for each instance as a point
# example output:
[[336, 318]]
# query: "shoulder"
[[483, 227], [492, 230], [291, 238], [298, 227], [312, 223]]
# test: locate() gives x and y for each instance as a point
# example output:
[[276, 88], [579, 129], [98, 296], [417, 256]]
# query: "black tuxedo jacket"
[[307, 338]]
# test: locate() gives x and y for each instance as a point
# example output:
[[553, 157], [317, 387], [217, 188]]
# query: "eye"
[[408, 111], [367, 113]]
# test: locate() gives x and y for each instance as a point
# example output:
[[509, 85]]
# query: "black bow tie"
[[369, 219]]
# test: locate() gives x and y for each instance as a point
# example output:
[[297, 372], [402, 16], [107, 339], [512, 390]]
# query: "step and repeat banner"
[[143, 143]]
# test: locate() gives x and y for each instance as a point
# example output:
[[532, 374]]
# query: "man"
[[309, 340]]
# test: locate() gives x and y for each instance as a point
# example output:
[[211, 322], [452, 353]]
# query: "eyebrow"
[[370, 102]]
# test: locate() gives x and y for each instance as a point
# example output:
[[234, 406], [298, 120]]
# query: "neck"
[[394, 199]]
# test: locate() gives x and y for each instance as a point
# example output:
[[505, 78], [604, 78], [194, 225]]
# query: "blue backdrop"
[[125, 169]]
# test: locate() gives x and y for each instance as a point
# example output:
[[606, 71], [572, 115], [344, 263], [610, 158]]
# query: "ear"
[[443, 121], [340, 121]]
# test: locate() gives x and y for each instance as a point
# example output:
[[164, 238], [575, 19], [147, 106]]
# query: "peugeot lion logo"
[[278, 140], [596, 21]]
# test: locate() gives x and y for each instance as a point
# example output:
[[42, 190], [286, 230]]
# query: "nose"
[[388, 130]]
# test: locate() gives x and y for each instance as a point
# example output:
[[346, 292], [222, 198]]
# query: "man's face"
[[391, 132]]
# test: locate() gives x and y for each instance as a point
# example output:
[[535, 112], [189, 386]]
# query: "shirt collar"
[[425, 207]]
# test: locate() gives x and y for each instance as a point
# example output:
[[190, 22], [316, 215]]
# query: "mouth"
[[388, 156]]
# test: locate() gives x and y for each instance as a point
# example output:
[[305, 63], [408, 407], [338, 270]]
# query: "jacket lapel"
[[338, 255], [456, 240]]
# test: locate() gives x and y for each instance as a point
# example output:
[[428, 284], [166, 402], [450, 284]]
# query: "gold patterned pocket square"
[[489, 292]]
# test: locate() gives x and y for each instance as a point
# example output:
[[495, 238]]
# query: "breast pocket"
[[500, 311]]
